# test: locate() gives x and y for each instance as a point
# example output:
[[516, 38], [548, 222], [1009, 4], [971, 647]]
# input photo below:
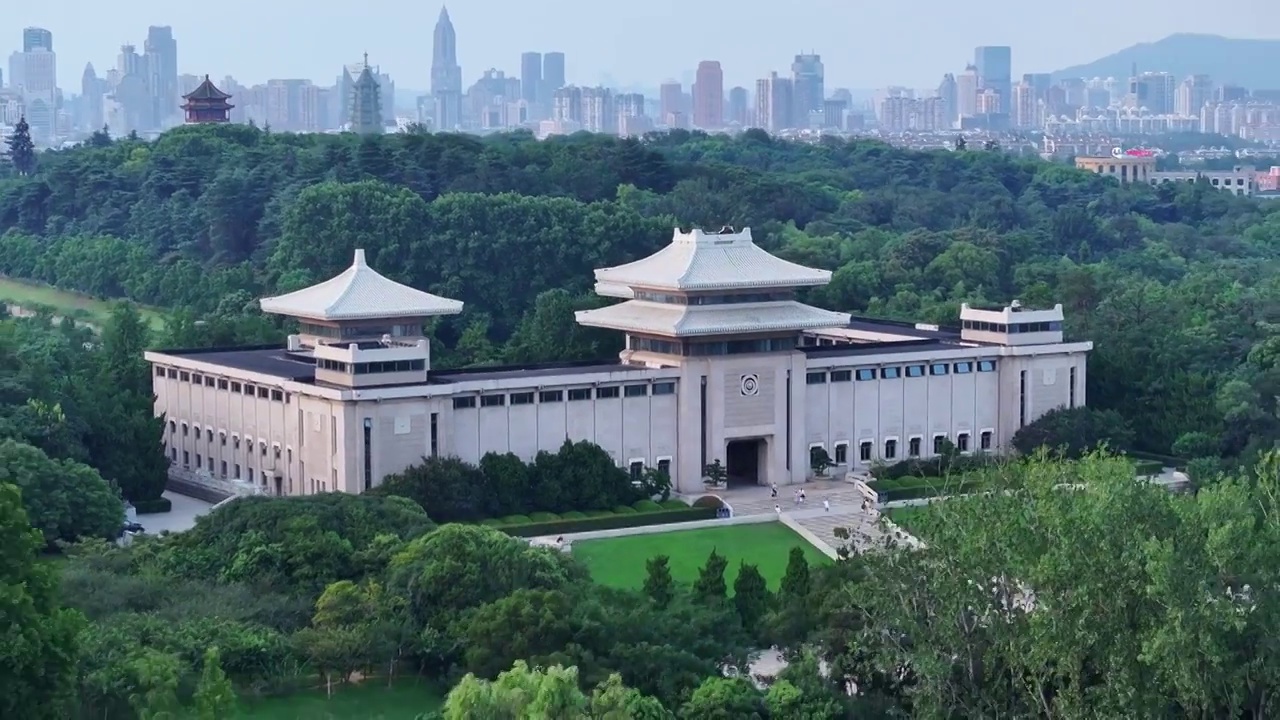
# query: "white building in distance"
[[722, 362]]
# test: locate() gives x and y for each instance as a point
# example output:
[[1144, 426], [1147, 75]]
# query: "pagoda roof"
[[206, 91], [642, 316], [359, 293], [700, 261]]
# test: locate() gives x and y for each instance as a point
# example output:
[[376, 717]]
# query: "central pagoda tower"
[[708, 294]]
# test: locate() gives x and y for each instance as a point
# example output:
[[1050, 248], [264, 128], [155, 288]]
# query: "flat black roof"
[[905, 329], [270, 360], [880, 348], [513, 372]]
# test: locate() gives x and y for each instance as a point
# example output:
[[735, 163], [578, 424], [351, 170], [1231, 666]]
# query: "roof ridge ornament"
[[359, 259]]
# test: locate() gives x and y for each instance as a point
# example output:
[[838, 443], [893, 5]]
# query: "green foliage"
[[524, 693], [819, 461], [715, 473], [710, 585], [38, 639], [22, 151], [658, 584], [157, 505], [721, 698], [215, 698], [751, 597], [1074, 432], [64, 499], [579, 476]]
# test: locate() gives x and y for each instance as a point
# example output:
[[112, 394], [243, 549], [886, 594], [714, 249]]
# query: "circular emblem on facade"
[[750, 385]]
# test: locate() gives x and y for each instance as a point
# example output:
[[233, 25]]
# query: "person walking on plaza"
[[777, 509], [773, 491], [826, 505]]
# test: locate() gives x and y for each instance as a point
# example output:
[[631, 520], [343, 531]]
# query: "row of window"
[[223, 384], [359, 331], [222, 438], [206, 463], [731, 299], [818, 377], [372, 368], [636, 467], [703, 349], [1015, 328], [890, 449], [554, 396]]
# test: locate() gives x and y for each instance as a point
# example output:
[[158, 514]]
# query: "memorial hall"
[[722, 362]]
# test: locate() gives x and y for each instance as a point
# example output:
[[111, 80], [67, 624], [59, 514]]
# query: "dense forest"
[[1157, 607], [1175, 285]]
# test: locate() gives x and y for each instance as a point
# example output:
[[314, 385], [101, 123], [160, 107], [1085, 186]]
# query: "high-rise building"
[[739, 108], [1153, 91], [162, 73], [833, 112], [967, 93], [1026, 107], [34, 37], [947, 91], [531, 77], [552, 73], [91, 118], [708, 96], [671, 105], [775, 102], [366, 103], [566, 105], [1191, 95], [807, 87], [446, 74], [994, 64], [1040, 83]]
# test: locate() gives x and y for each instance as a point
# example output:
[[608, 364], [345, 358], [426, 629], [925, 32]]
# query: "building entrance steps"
[[756, 500]]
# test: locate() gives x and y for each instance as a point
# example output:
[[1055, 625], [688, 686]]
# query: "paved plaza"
[[181, 517]]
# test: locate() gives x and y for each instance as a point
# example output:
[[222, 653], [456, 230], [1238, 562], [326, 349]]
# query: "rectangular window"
[[435, 435], [865, 374], [842, 453], [937, 443], [938, 369], [368, 453], [1022, 398], [197, 379], [224, 468], [841, 375], [186, 458], [222, 384], [249, 389], [173, 454], [159, 371], [962, 368], [864, 451], [915, 371], [172, 374], [277, 395], [579, 394], [235, 387], [890, 448], [493, 400], [913, 447], [462, 403], [237, 469], [986, 366], [664, 466], [815, 378], [1071, 401], [210, 461], [890, 373], [185, 430], [522, 398], [985, 440], [184, 376], [208, 381], [636, 468], [199, 461], [263, 393], [607, 393], [636, 391], [551, 396], [962, 442], [664, 388]]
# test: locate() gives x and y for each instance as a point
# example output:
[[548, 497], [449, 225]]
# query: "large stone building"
[[722, 362]]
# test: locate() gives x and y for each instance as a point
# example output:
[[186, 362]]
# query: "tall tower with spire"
[[446, 74], [366, 103]]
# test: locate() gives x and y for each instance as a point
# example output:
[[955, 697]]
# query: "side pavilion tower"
[[362, 328], [723, 310]]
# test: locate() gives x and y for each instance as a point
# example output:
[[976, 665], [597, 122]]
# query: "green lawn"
[[620, 562], [905, 517], [75, 305], [368, 701]]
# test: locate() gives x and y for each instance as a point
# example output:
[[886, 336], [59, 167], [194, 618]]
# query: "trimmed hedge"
[[151, 507], [912, 488], [612, 522], [1164, 460], [1143, 468], [674, 504]]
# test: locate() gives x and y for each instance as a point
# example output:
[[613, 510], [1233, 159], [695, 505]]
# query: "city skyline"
[[872, 54]]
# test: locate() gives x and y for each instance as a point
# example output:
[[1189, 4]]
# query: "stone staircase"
[[864, 527]]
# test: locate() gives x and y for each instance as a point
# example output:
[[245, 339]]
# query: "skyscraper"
[[161, 51], [738, 106], [552, 74], [531, 77], [947, 92], [34, 37], [995, 70], [967, 93], [775, 102], [807, 86], [446, 75], [708, 96], [91, 117]]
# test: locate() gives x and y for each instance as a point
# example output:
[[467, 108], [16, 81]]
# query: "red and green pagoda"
[[207, 104]]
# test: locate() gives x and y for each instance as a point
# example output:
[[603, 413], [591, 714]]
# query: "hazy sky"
[[863, 44]]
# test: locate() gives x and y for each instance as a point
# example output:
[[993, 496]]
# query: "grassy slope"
[[75, 305], [372, 700], [620, 562]]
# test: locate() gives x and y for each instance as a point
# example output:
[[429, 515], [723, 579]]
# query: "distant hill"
[[1255, 64]]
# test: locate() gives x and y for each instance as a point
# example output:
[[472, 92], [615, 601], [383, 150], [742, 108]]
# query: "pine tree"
[[22, 152], [215, 697], [795, 583], [710, 584], [658, 584], [750, 596]]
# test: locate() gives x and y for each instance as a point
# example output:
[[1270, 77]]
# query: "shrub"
[[674, 504], [516, 520], [491, 522], [612, 522], [575, 515], [598, 513], [539, 517], [624, 510], [1074, 432], [156, 505], [646, 506], [1146, 468]]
